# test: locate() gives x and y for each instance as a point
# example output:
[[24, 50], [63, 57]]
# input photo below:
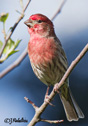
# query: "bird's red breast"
[[41, 50]]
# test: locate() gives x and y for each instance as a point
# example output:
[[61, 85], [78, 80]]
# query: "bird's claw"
[[47, 97], [47, 100], [56, 88]]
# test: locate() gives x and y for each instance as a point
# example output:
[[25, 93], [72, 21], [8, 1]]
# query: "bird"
[[49, 61]]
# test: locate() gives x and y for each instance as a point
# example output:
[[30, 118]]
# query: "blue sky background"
[[71, 26]]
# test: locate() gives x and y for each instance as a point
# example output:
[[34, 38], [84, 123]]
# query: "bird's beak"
[[29, 23]]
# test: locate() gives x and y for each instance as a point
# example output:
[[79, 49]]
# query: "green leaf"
[[12, 52], [3, 17], [9, 49], [10, 45], [17, 43], [1, 44]]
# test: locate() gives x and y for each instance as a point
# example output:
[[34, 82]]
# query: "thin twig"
[[12, 66], [51, 121], [13, 28], [59, 9], [27, 5], [32, 103], [38, 113], [3, 31]]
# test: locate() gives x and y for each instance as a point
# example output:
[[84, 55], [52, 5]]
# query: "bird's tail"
[[72, 110]]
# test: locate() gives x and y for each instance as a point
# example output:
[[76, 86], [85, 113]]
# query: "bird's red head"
[[39, 23], [41, 18]]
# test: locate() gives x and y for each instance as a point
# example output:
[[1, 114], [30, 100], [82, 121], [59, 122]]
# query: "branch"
[[15, 64], [13, 28], [58, 10], [40, 110], [51, 121], [3, 31], [12, 66], [29, 101]]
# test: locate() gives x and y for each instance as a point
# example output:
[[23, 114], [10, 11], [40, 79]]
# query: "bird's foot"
[[47, 91], [56, 88], [47, 99]]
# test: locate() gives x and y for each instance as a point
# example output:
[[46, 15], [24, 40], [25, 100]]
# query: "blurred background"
[[71, 27]]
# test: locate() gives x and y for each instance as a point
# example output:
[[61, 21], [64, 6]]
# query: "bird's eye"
[[39, 21]]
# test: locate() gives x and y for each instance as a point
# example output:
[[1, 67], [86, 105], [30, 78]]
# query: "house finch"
[[49, 61]]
